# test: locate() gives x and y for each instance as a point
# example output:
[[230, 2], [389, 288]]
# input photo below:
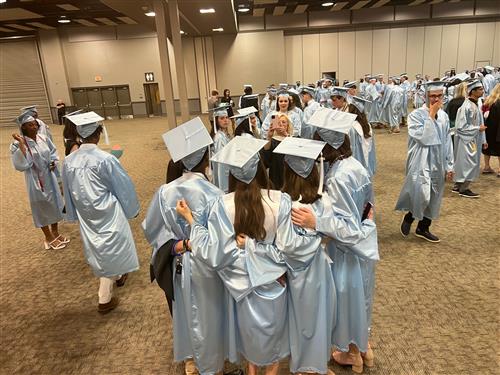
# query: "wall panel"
[[310, 62], [293, 58], [380, 59], [363, 53], [347, 56], [485, 37], [329, 52], [415, 51], [397, 51], [449, 48], [467, 37], [432, 50], [496, 45]]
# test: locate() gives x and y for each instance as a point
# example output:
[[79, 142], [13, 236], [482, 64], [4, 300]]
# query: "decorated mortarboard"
[[474, 84], [300, 154], [307, 89], [188, 142], [241, 154], [86, 123], [333, 125], [339, 91], [24, 118], [359, 103], [351, 85]]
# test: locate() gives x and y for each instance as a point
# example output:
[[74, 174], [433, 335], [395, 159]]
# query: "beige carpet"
[[436, 308]]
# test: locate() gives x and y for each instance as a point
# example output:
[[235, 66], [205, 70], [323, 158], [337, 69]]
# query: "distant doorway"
[[153, 102]]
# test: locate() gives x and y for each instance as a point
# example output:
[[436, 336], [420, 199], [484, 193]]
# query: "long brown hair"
[[175, 170], [361, 119], [297, 186], [249, 207], [331, 155]]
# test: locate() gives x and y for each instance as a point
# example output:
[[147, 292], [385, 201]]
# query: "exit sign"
[[149, 77]]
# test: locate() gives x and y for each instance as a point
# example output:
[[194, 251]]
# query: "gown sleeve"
[[423, 129], [122, 187], [448, 147], [345, 225], [464, 126], [19, 161]]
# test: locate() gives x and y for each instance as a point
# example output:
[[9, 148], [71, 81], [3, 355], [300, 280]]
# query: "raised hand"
[[183, 209]]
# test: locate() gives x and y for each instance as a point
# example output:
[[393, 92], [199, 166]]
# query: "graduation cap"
[[489, 68], [307, 90], [247, 85], [435, 85], [301, 154], [87, 123], [396, 80], [327, 77], [24, 118], [283, 93], [333, 125], [359, 103], [73, 113], [219, 111], [380, 75], [243, 113], [188, 142], [351, 85], [404, 75], [30, 108], [339, 91], [241, 154], [473, 85]]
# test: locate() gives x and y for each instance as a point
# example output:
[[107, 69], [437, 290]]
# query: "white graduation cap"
[[462, 76], [23, 118], [31, 108], [242, 156], [301, 155], [333, 125], [188, 142], [87, 123], [339, 91], [359, 103], [489, 68], [247, 85], [283, 86], [73, 113], [308, 90], [351, 85], [247, 112], [473, 85]]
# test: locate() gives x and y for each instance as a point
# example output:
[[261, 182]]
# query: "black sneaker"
[[426, 235], [455, 190], [405, 228], [469, 194]]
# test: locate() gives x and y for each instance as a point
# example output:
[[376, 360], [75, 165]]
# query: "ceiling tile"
[[360, 4], [127, 20], [106, 21], [68, 7], [279, 10], [19, 27], [301, 8], [16, 14], [338, 6], [84, 22]]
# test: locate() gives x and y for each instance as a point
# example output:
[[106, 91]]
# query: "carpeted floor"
[[436, 307]]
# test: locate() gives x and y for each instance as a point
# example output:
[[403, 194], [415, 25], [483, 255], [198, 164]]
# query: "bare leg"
[[498, 164], [54, 229], [273, 369], [252, 369], [48, 234], [487, 166]]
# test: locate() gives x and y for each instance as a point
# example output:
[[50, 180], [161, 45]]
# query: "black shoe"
[[469, 194], [455, 190], [104, 308], [426, 235], [405, 228], [121, 281]]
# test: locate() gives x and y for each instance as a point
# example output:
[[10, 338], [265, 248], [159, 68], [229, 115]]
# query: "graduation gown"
[[323, 97], [468, 142], [489, 82], [101, 196], [373, 95], [41, 183], [220, 171], [294, 118], [354, 250], [307, 130], [396, 106], [43, 129], [363, 149], [311, 288], [430, 156], [406, 92], [199, 308]]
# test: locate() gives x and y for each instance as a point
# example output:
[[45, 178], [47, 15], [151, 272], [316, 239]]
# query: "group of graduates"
[[263, 236]]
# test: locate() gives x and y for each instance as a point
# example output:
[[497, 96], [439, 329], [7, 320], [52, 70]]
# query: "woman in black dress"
[[491, 111], [226, 98]]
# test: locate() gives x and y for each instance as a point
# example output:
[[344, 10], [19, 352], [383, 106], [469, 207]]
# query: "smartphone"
[[273, 117], [366, 211]]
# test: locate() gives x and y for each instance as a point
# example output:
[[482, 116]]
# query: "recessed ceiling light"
[[218, 29], [327, 4], [182, 32], [208, 10], [3, 1], [64, 21], [150, 14], [243, 10]]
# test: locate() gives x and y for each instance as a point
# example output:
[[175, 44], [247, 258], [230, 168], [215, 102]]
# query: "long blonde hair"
[[494, 96], [461, 90]]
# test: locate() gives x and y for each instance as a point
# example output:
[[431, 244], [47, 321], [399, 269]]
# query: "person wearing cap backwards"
[[261, 217], [195, 294], [221, 138], [43, 127], [469, 140], [101, 197], [405, 85], [36, 156], [311, 285], [310, 106], [353, 238], [429, 163]]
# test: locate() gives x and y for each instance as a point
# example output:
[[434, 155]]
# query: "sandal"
[[54, 245], [62, 239], [488, 171]]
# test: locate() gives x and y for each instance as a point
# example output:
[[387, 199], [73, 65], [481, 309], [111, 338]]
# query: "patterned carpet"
[[436, 307]]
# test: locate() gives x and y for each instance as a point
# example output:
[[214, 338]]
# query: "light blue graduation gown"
[[220, 171], [468, 142], [200, 301], [43, 191], [419, 97], [354, 250], [430, 156], [43, 129], [294, 118], [396, 106], [489, 82], [311, 288], [101, 196], [261, 323], [362, 88], [373, 95], [385, 105], [406, 92], [363, 149], [323, 96], [307, 130]]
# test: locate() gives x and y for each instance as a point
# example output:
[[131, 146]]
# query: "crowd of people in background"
[[264, 237]]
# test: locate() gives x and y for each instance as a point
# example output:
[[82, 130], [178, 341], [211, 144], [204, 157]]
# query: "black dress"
[[274, 162], [228, 99], [493, 130]]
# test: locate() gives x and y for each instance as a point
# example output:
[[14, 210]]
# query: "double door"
[[111, 102]]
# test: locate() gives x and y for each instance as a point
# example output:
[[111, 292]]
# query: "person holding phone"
[[284, 106], [430, 161]]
